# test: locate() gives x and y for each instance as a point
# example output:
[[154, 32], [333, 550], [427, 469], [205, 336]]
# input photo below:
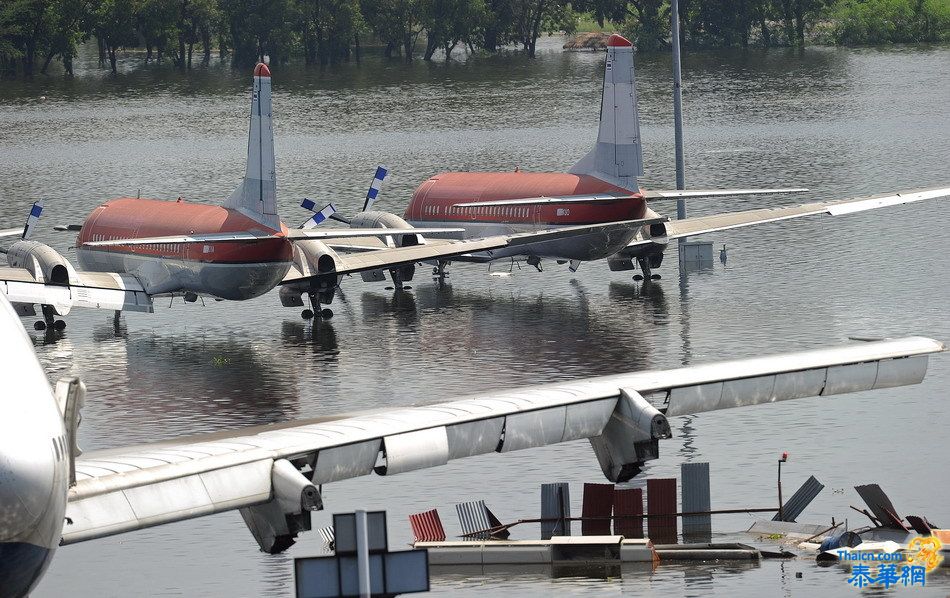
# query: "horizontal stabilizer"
[[541, 201], [681, 193]]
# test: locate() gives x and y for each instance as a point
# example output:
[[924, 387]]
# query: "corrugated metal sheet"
[[801, 499], [427, 527], [598, 502], [555, 504], [694, 478], [880, 505], [628, 501], [661, 498], [473, 517]]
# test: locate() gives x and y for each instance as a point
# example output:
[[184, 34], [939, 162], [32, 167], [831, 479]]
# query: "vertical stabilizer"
[[256, 196], [617, 158]]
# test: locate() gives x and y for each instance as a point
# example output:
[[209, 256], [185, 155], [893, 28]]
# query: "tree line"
[[35, 33]]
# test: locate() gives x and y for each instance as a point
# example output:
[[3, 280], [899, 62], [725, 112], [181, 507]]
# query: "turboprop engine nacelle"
[[652, 251], [375, 219], [47, 266], [631, 437], [316, 259]]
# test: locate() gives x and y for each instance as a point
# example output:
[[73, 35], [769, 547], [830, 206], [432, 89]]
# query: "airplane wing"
[[717, 222], [292, 234], [97, 290], [527, 201], [608, 197], [683, 193], [365, 258], [273, 471]]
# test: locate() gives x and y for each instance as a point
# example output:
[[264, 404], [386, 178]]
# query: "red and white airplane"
[[133, 249], [602, 187]]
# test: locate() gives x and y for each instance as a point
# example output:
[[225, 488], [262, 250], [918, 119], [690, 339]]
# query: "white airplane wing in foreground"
[[717, 222], [272, 473]]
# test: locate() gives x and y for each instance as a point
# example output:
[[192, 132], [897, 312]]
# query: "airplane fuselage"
[[434, 204], [228, 270], [33, 463]]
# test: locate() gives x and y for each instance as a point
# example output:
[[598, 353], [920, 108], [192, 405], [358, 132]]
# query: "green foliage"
[[33, 33], [890, 21]]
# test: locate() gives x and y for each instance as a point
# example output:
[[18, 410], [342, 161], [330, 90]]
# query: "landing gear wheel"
[[637, 277], [60, 325], [326, 313], [654, 277], [306, 314], [39, 325]]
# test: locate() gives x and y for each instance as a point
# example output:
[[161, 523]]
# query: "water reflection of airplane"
[[134, 249], [602, 187], [535, 328], [52, 494]]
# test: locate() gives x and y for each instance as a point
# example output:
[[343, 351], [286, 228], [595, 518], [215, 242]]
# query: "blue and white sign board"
[[344, 528]]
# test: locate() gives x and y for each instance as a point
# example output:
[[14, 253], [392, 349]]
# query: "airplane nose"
[[27, 472]]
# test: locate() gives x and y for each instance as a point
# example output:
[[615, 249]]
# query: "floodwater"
[[841, 122]]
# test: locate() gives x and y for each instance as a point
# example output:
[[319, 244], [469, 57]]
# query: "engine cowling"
[[47, 266], [313, 259], [374, 219]]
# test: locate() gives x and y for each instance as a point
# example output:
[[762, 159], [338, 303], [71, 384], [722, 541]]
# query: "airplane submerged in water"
[[52, 494], [602, 187], [132, 249]]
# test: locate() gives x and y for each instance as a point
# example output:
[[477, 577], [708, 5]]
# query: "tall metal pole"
[[678, 110], [362, 554]]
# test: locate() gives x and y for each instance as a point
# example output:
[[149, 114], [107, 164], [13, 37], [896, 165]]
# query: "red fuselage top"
[[434, 199], [131, 218]]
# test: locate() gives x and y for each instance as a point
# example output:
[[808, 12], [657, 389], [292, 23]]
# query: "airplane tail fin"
[[617, 158], [256, 196]]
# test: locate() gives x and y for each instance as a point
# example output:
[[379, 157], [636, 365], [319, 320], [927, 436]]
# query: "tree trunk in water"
[[766, 35], [431, 47], [799, 24], [536, 29], [49, 59], [448, 50], [407, 46], [191, 48], [356, 46], [206, 44], [148, 52], [112, 50], [787, 18], [102, 51]]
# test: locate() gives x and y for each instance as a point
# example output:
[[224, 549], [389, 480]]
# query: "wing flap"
[[235, 471]]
